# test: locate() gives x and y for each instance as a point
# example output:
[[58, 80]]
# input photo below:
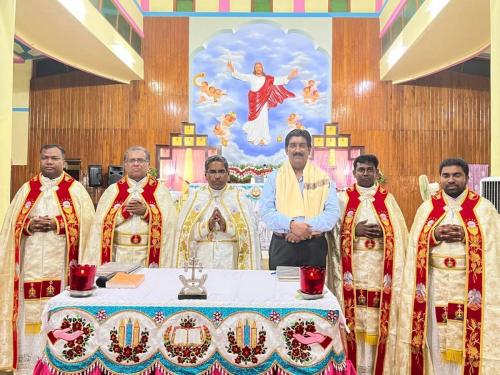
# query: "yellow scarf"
[[290, 201]]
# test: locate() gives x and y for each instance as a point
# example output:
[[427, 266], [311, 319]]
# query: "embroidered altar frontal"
[[250, 324]]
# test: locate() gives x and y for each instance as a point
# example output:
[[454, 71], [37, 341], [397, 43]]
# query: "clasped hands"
[[136, 207], [449, 233], [215, 219], [299, 231], [368, 230], [42, 224]]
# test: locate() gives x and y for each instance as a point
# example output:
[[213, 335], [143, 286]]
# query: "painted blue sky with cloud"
[[280, 50]]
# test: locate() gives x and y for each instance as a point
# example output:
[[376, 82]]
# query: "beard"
[[455, 191]]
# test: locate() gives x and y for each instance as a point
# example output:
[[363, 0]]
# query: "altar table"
[[249, 324]]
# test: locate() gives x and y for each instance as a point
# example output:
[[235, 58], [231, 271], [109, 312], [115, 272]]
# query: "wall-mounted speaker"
[[73, 168], [95, 175], [115, 173]]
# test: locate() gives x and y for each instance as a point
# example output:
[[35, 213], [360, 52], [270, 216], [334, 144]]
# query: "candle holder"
[[193, 288], [312, 282], [81, 280]]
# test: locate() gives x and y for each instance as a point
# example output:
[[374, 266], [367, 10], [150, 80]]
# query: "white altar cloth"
[[250, 323], [226, 288]]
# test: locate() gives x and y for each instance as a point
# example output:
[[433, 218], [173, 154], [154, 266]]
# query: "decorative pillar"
[[495, 87], [7, 24]]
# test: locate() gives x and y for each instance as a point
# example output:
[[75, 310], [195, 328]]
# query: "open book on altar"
[[110, 268]]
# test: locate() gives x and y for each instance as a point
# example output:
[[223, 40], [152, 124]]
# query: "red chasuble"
[[353, 297], [269, 93]]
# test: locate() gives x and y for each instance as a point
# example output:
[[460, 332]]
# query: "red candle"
[[81, 277], [312, 279]]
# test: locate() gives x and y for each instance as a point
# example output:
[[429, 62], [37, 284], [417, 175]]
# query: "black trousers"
[[305, 253]]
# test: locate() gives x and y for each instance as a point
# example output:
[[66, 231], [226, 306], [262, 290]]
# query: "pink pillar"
[[378, 5], [224, 6], [298, 6], [145, 5]]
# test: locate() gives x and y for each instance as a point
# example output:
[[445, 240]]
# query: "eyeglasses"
[[138, 161]]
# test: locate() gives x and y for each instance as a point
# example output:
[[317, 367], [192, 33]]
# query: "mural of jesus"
[[265, 93]]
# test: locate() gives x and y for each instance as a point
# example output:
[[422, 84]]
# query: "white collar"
[[454, 204], [136, 186], [367, 190], [50, 183], [141, 182], [217, 193]]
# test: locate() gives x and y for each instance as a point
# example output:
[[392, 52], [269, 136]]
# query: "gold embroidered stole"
[[72, 225], [473, 289], [155, 221], [66, 207], [237, 217], [351, 298]]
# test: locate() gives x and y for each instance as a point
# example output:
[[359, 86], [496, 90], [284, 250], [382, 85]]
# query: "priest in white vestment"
[[366, 268], [135, 219], [217, 220], [449, 312], [44, 230], [265, 93]]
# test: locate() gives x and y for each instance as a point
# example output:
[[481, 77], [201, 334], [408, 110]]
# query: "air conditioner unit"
[[490, 189]]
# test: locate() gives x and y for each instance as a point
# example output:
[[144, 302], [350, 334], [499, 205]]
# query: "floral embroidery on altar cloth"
[[128, 341], [246, 342], [255, 340], [76, 344]]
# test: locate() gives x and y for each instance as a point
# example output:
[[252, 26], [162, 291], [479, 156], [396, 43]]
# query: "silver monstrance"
[[193, 288]]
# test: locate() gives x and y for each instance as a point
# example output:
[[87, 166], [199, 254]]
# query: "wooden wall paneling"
[[166, 82], [96, 119], [413, 126]]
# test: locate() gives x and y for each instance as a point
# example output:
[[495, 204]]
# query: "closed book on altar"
[[124, 280], [110, 268], [288, 273]]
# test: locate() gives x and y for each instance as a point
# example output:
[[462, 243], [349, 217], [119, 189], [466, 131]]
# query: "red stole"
[[269, 93], [72, 231], [474, 285], [155, 221], [349, 291]]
